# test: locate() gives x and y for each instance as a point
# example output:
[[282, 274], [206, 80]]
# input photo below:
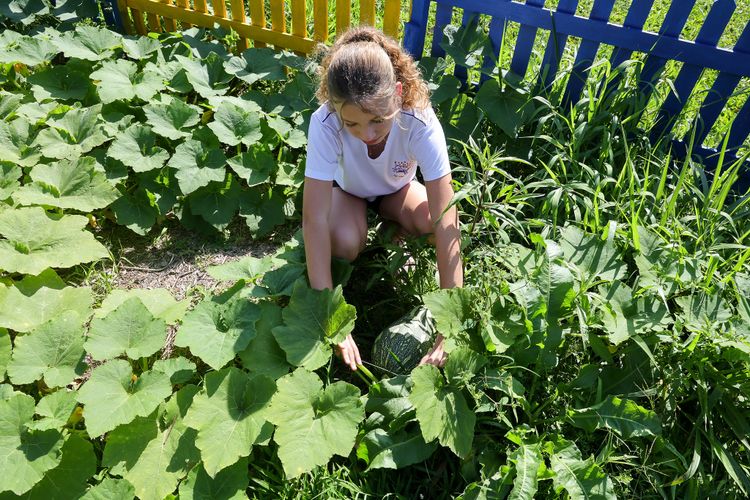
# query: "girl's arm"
[[316, 207], [447, 232]]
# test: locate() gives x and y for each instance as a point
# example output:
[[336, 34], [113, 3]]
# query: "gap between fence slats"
[[140, 26], [343, 15], [169, 23], [258, 18], [524, 44], [320, 20], [367, 12], [555, 46], [153, 23], [392, 18]]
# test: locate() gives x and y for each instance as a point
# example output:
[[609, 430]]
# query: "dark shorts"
[[373, 205]]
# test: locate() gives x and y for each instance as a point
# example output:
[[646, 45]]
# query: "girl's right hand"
[[349, 352]]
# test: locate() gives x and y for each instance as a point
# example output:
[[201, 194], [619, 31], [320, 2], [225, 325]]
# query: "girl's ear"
[[399, 89]]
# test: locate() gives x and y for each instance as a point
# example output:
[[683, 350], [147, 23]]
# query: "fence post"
[[112, 14]]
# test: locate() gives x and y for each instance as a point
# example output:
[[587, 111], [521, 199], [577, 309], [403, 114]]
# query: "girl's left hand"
[[350, 352], [436, 355]]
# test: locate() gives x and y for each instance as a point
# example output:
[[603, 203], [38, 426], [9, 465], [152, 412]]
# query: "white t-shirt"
[[335, 154]]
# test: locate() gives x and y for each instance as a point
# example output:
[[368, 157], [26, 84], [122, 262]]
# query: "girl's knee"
[[423, 220], [346, 243]]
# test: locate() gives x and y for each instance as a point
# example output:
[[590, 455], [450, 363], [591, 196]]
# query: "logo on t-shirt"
[[401, 168]]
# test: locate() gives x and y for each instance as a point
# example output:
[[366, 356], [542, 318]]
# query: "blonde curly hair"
[[362, 68]]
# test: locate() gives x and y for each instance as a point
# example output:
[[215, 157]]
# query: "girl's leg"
[[408, 207], [348, 224]]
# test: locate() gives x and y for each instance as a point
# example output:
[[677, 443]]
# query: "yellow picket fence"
[[252, 22]]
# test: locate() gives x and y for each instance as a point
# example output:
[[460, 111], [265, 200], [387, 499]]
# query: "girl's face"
[[368, 127]]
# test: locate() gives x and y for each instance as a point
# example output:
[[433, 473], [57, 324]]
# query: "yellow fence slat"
[[367, 12], [299, 18], [245, 30], [200, 6], [320, 20], [392, 18], [185, 6], [278, 19], [125, 15], [238, 15], [220, 8], [343, 15], [258, 18]]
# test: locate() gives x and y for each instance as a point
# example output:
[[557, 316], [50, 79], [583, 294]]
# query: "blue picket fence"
[[561, 23]]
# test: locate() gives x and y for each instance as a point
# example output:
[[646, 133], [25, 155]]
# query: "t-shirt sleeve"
[[323, 151], [430, 148]]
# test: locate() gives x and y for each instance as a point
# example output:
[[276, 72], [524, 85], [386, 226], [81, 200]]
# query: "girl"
[[373, 128]]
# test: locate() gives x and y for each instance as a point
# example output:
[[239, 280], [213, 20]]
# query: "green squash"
[[398, 348]]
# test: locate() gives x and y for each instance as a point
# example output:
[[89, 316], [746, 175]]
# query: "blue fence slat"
[[443, 17], [416, 29], [710, 33], [722, 89], [524, 44], [672, 26], [555, 46], [586, 53]]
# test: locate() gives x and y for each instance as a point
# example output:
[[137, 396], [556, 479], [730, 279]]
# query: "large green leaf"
[[527, 458], [123, 80], [76, 184], [151, 457], [10, 176], [237, 121], [263, 354], [263, 209], [229, 484], [229, 416], [67, 481], [255, 166], [171, 117], [622, 416], [140, 47], [207, 77], [217, 203], [24, 11], [256, 64], [452, 309], [159, 302], [217, 329], [114, 395], [197, 163], [389, 450], [135, 211], [35, 241], [703, 312], [248, 268], [313, 320], [110, 489], [89, 42], [55, 410], [25, 456], [624, 317], [592, 257], [77, 132], [31, 51], [9, 102], [16, 144], [137, 149], [53, 351], [582, 479], [442, 411], [130, 329], [506, 107], [322, 422], [36, 300], [5, 350], [63, 83]]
